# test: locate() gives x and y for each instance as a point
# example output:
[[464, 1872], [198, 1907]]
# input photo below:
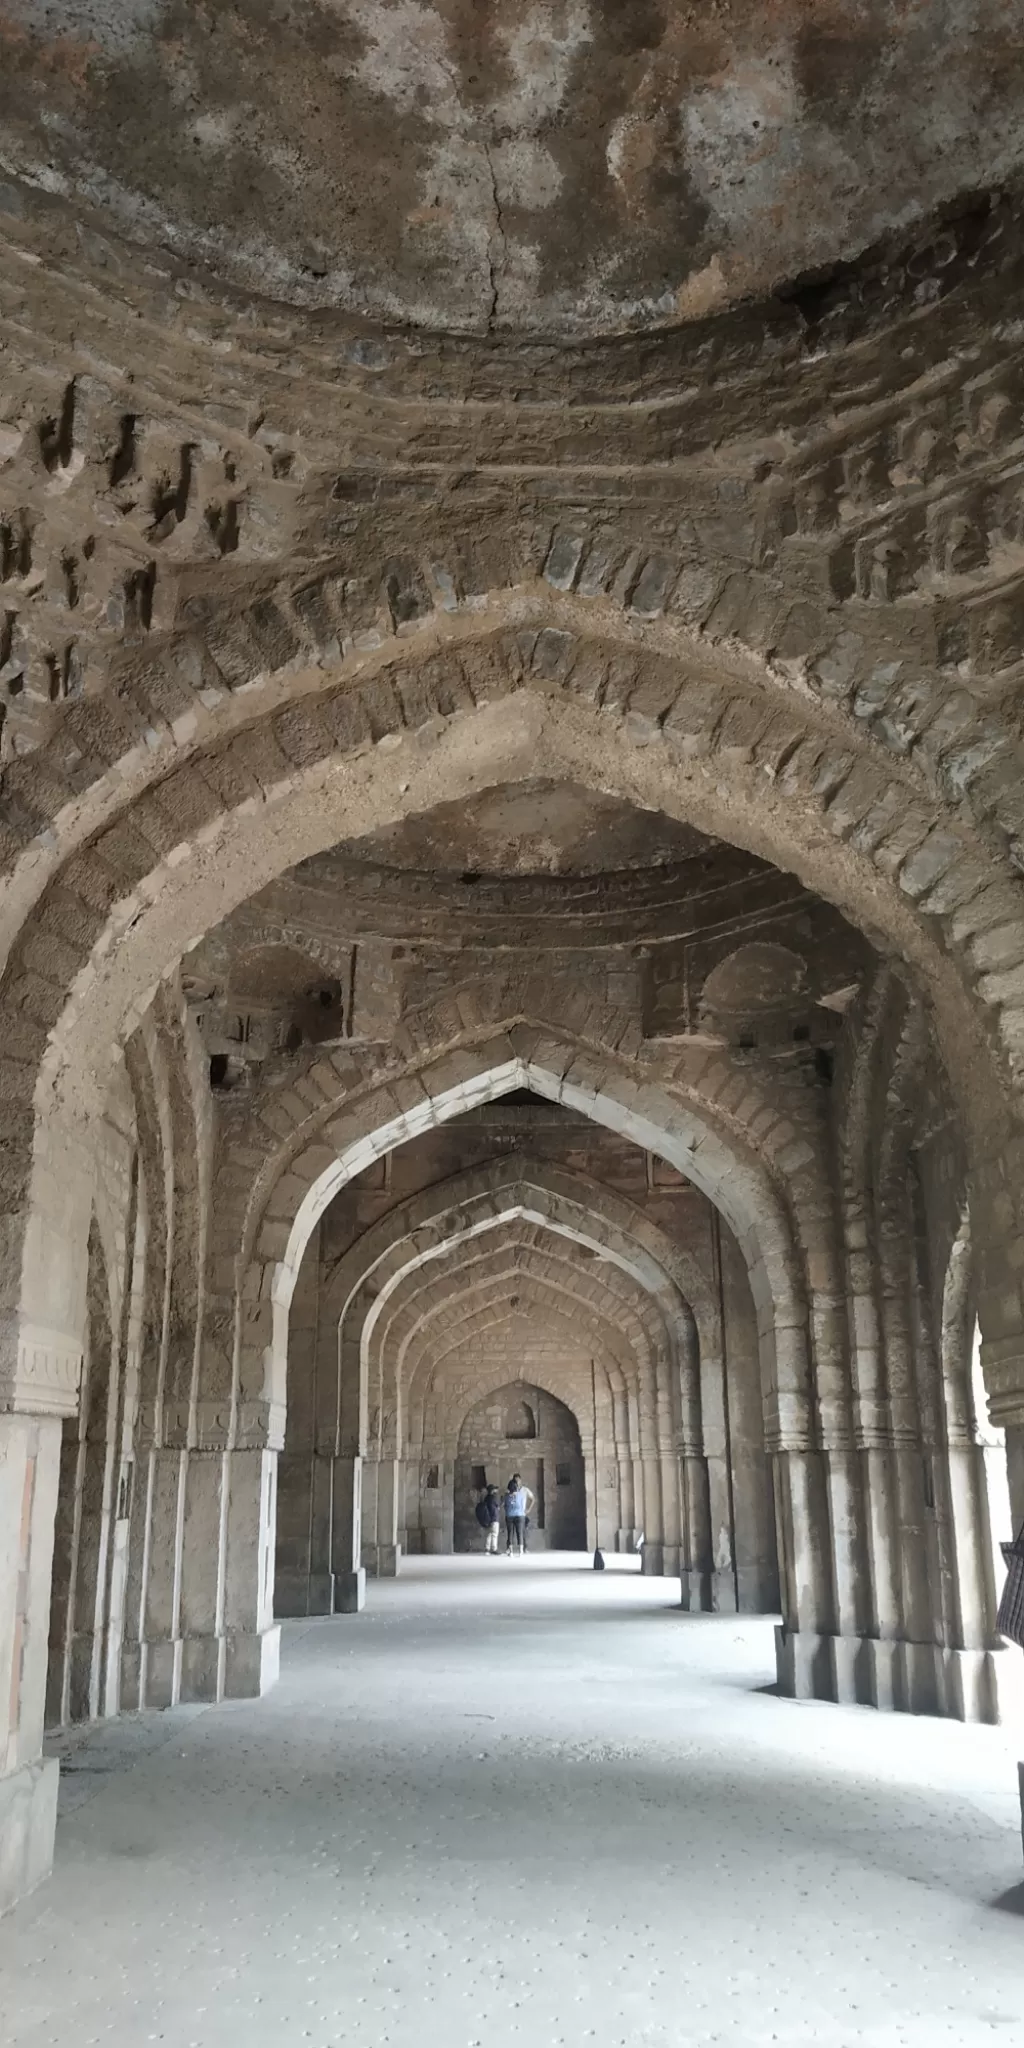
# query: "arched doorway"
[[524, 1429]]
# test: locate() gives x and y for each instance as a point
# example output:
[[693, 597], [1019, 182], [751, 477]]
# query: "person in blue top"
[[518, 1502]]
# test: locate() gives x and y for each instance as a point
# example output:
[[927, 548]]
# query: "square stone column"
[[29, 1471], [347, 1536], [151, 1657], [206, 1479], [382, 1553], [251, 1637]]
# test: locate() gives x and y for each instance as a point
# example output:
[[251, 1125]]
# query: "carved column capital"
[[40, 1375]]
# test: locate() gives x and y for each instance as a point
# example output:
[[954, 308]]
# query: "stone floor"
[[525, 1803]]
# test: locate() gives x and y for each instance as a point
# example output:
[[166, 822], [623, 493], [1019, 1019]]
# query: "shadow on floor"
[[1011, 1901]]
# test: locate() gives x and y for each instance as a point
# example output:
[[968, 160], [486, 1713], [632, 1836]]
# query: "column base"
[[695, 1592], [299, 1594], [757, 1588], [201, 1681], [723, 1593], [151, 1675], [747, 1591], [652, 1561], [252, 1664], [203, 1670], [382, 1560], [28, 1823], [349, 1592], [899, 1677]]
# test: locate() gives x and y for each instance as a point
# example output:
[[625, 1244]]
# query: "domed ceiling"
[[564, 166]]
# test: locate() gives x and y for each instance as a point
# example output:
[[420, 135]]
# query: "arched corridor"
[[512, 963], [541, 1800]]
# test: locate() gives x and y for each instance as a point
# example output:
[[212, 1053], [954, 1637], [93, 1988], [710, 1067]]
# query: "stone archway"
[[519, 1426], [656, 764], [450, 1215], [777, 1293], [655, 775]]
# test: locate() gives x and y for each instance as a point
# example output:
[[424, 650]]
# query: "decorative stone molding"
[[46, 1376]]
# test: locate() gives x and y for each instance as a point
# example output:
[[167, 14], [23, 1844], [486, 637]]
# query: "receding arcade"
[[512, 937]]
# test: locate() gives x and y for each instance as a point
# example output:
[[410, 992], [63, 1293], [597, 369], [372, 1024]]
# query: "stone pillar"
[[29, 1470], [599, 1521], [320, 1586], [845, 1514], [652, 1560], [872, 1428], [251, 1637], [368, 1518], [202, 1664], [348, 1506], [210, 1632], [695, 1517], [695, 1563], [722, 1589], [753, 1513], [161, 1510], [436, 1501], [883, 1558], [670, 1484], [804, 1653], [1015, 1481], [303, 1579], [347, 1536], [40, 1369], [973, 1562], [381, 1549]]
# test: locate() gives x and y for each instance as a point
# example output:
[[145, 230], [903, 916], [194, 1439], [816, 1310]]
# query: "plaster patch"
[[525, 173], [407, 60], [541, 52], [741, 129]]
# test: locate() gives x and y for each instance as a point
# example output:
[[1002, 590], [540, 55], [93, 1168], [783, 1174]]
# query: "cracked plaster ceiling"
[[563, 166]]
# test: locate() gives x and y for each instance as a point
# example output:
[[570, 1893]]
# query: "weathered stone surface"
[[511, 833]]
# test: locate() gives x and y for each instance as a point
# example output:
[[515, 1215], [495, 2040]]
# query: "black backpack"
[[483, 1512]]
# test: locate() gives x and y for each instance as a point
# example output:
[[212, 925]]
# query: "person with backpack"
[[518, 1502], [488, 1514]]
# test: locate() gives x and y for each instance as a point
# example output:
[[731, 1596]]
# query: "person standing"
[[518, 1502], [488, 1514]]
